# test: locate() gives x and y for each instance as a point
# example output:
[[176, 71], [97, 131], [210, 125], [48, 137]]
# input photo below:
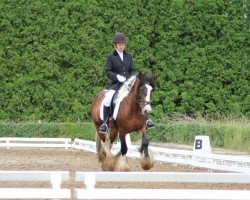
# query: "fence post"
[[56, 180], [89, 180], [8, 142]]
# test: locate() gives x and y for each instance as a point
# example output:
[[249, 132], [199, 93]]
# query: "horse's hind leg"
[[113, 135], [108, 164], [101, 154], [102, 148]]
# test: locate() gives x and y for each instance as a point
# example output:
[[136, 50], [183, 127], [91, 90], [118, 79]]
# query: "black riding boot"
[[149, 124], [104, 127]]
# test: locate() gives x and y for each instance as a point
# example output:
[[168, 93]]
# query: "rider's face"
[[120, 46]]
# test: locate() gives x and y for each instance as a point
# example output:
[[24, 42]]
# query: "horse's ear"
[[140, 75], [153, 77]]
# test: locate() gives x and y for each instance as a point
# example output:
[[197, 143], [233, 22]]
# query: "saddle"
[[119, 96], [112, 107]]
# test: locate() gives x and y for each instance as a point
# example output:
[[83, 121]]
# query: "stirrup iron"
[[149, 124], [103, 128]]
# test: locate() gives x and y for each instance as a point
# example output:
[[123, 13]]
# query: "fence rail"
[[90, 192], [54, 177], [162, 177], [89, 180], [176, 194], [35, 142]]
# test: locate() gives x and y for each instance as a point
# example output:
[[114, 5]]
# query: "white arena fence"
[[89, 180], [53, 177], [191, 158], [211, 161], [35, 142]]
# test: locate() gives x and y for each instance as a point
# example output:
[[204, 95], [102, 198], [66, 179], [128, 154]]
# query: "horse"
[[134, 106]]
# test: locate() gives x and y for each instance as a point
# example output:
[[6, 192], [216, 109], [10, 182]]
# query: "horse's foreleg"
[[124, 148], [147, 161], [144, 145], [122, 164]]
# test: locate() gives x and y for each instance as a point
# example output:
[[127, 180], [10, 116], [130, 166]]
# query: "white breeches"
[[108, 97]]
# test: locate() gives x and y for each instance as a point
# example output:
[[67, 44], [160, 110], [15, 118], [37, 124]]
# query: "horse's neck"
[[131, 98]]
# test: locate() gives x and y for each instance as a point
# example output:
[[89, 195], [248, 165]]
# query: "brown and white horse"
[[135, 104]]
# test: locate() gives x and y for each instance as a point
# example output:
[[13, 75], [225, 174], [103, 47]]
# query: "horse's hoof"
[[109, 164], [121, 164], [101, 156], [146, 163]]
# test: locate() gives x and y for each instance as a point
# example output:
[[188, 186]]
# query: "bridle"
[[141, 103]]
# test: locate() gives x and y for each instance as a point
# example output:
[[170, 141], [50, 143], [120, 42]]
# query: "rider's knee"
[[107, 103], [108, 98]]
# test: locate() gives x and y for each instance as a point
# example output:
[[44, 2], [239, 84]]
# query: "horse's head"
[[143, 97]]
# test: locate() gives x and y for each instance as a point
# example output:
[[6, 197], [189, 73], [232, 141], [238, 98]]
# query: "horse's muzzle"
[[146, 110]]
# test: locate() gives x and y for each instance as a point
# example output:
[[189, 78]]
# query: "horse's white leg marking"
[[148, 108]]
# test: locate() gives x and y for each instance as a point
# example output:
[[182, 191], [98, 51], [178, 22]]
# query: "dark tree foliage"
[[52, 55]]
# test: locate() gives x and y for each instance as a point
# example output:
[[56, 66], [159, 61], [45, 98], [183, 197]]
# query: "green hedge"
[[69, 130], [230, 136], [52, 56]]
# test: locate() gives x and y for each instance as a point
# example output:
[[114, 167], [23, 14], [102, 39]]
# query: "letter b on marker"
[[202, 144], [198, 144]]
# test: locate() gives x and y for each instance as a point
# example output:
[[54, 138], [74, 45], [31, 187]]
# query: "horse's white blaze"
[[149, 88], [148, 108]]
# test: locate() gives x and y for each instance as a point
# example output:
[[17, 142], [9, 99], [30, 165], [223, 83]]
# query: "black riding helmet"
[[119, 38]]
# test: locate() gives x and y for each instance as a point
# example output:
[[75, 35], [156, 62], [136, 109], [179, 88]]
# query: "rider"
[[119, 67]]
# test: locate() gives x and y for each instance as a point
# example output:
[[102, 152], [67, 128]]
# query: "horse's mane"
[[125, 88], [128, 84], [143, 79]]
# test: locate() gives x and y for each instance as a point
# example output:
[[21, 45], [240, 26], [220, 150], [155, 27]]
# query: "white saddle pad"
[[122, 93]]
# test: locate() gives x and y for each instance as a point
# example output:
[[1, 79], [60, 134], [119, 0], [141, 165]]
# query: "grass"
[[230, 133]]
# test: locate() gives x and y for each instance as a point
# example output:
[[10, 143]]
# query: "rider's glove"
[[121, 78]]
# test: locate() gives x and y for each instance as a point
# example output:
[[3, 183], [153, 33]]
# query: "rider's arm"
[[108, 70]]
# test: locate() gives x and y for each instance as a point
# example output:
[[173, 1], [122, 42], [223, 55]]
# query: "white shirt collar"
[[120, 54]]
